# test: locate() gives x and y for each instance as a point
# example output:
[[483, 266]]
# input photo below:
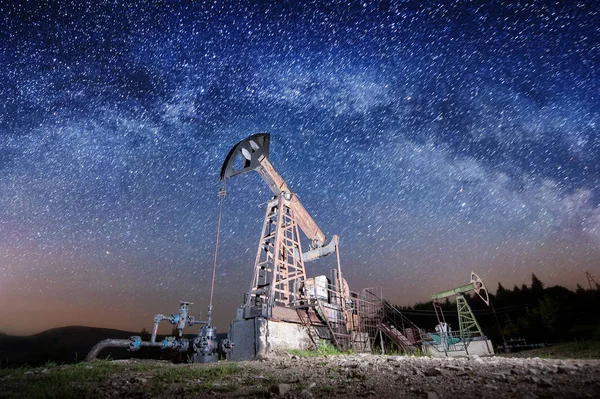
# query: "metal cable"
[[222, 194]]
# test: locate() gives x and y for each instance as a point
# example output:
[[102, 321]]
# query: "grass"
[[202, 378], [187, 373], [54, 382], [324, 349], [568, 350], [90, 379]]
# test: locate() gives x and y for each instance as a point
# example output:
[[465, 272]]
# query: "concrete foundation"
[[259, 337], [480, 347]]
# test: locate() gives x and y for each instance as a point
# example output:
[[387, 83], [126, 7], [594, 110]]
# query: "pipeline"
[[205, 346], [132, 344]]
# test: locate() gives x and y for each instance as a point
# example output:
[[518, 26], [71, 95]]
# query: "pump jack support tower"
[[279, 271]]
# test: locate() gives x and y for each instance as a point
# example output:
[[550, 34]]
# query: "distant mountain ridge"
[[68, 345], [59, 345]]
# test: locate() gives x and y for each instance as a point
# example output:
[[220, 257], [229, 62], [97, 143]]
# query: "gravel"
[[347, 376]]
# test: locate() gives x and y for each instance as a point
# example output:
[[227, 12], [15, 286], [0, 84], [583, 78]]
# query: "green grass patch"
[[324, 349], [418, 352], [70, 381], [84, 379], [196, 378], [568, 350]]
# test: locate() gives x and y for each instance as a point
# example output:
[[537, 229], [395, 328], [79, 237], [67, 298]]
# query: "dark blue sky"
[[435, 139]]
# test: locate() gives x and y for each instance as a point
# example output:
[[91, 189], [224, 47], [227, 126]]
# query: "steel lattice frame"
[[278, 269], [466, 319]]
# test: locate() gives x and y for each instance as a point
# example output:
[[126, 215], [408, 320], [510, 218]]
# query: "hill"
[[59, 345], [71, 344]]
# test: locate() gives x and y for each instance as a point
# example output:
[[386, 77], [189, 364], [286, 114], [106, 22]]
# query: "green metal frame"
[[466, 319], [454, 291], [467, 323]]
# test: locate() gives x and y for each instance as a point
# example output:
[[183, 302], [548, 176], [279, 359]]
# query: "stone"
[[545, 383], [280, 389], [432, 395], [564, 369], [395, 358], [306, 394], [216, 387], [433, 372], [534, 380]]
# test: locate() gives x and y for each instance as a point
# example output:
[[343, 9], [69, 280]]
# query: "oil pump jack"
[[469, 330], [279, 266], [279, 282]]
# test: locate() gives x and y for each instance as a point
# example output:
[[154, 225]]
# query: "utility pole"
[[591, 280]]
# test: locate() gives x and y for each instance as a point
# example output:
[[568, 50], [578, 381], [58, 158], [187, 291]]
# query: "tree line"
[[536, 313]]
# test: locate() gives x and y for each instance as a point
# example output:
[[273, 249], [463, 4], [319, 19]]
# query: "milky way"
[[435, 139]]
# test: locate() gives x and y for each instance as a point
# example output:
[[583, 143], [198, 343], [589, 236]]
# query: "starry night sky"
[[435, 138]]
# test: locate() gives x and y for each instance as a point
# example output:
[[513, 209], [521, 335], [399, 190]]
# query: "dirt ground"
[[291, 376], [347, 376]]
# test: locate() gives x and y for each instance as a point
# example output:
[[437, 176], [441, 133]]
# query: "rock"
[[545, 383], [564, 369], [280, 389], [306, 394], [432, 395], [476, 359], [259, 377], [433, 372], [395, 358], [216, 387], [454, 368], [363, 365], [356, 374], [534, 380]]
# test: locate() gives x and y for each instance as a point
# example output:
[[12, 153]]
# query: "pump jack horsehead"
[[279, 272]]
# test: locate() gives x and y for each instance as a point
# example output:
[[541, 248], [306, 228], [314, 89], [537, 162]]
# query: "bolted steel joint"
[[226, 346], [135, 344]]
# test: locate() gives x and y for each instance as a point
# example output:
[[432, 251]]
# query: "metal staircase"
[[397, 337], [331, 319], [401, 331]]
